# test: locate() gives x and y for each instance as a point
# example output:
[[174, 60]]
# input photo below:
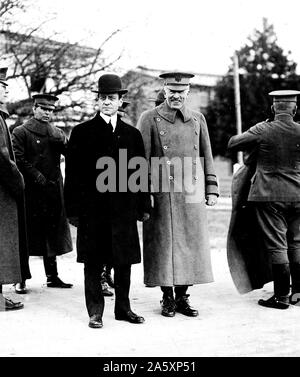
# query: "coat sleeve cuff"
[[211, 185]]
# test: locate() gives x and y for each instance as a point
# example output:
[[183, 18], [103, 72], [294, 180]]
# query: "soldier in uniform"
[[275, 193], [38, 147], [176, 247]]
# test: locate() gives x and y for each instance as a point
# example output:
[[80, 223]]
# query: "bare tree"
[[46, 64]]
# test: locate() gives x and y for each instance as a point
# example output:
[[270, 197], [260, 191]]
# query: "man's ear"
[[272, 109], [295, 110]]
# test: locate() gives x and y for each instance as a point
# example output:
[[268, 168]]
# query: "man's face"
[[109, 103], [176, 98], [3, 93], [42, 113]]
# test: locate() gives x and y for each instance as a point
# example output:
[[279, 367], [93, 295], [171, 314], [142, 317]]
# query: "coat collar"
[[165, 111], [98, 121], [34, 125], [284, 117], [3, 110]]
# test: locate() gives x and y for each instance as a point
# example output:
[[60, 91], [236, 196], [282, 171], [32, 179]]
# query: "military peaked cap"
[[3, 72], [284, 95]]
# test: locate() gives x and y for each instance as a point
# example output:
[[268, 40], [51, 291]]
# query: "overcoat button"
[[158, 119], [171, 178], [195, 178], [196, 146], [162, 132], [38, 141], [165, 147], [168, 162]]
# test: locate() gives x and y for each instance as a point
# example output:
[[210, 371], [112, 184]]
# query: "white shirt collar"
[[112, 119]]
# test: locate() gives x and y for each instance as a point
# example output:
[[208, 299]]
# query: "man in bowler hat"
[[13, 245], [106, 218], [38, 147], [275, 194]]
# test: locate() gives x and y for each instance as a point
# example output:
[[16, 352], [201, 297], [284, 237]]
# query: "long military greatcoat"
[[13, 247], [107, 231], [38, 148], [249, 264], [176, 245]]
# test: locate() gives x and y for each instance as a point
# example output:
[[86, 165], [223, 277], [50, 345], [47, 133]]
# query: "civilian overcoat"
[[38, 148], [13, 247], [176, 245], [107, 230]]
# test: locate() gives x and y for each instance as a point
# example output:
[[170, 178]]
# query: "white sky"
[[192, 35]]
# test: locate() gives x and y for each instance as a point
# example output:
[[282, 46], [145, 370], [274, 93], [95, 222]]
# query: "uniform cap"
[[46, 100], [177, 80], [284, 95], [160, 98], [123, 107], [3, 72]]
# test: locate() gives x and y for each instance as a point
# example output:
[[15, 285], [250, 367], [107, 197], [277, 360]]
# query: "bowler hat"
[[3, 72], [46, 100], [109, 84]]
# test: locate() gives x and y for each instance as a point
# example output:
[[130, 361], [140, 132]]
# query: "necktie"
[[110, 127]]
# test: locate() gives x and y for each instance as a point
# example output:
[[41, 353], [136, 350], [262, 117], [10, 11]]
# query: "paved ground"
[[54, 322]]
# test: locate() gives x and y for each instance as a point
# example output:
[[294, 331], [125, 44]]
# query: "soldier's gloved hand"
[[41, 180], [211, 199]]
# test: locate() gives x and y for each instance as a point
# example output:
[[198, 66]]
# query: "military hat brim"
[[284, 95]]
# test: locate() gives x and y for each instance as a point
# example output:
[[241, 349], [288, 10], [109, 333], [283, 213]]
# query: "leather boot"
[[168, 304], [281, 277], [108, 276], [20, 288], [295, 275], [183, 306]]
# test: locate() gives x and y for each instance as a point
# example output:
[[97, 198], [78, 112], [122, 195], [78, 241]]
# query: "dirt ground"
[[54, 322]]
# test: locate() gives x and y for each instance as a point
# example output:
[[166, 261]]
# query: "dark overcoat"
[[38, 148], [248, 262], [176, 245], [13, 246], [107, 230]]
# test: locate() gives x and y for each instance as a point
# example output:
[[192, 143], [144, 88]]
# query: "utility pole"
[[237, 102]]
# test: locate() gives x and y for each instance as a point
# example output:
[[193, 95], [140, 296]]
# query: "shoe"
[[275, 303], [107, 292], [109, 280], [130, 317], [7, 304], [55, 282], [96, 321], [20, 288], [183, 307], [294, 299], [168, 306]]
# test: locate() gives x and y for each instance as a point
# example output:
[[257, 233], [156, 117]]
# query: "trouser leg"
[[167, 292], [122, 286], [0, 289], [281, 277], [180, 291], [50, 266], [93, 294]]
